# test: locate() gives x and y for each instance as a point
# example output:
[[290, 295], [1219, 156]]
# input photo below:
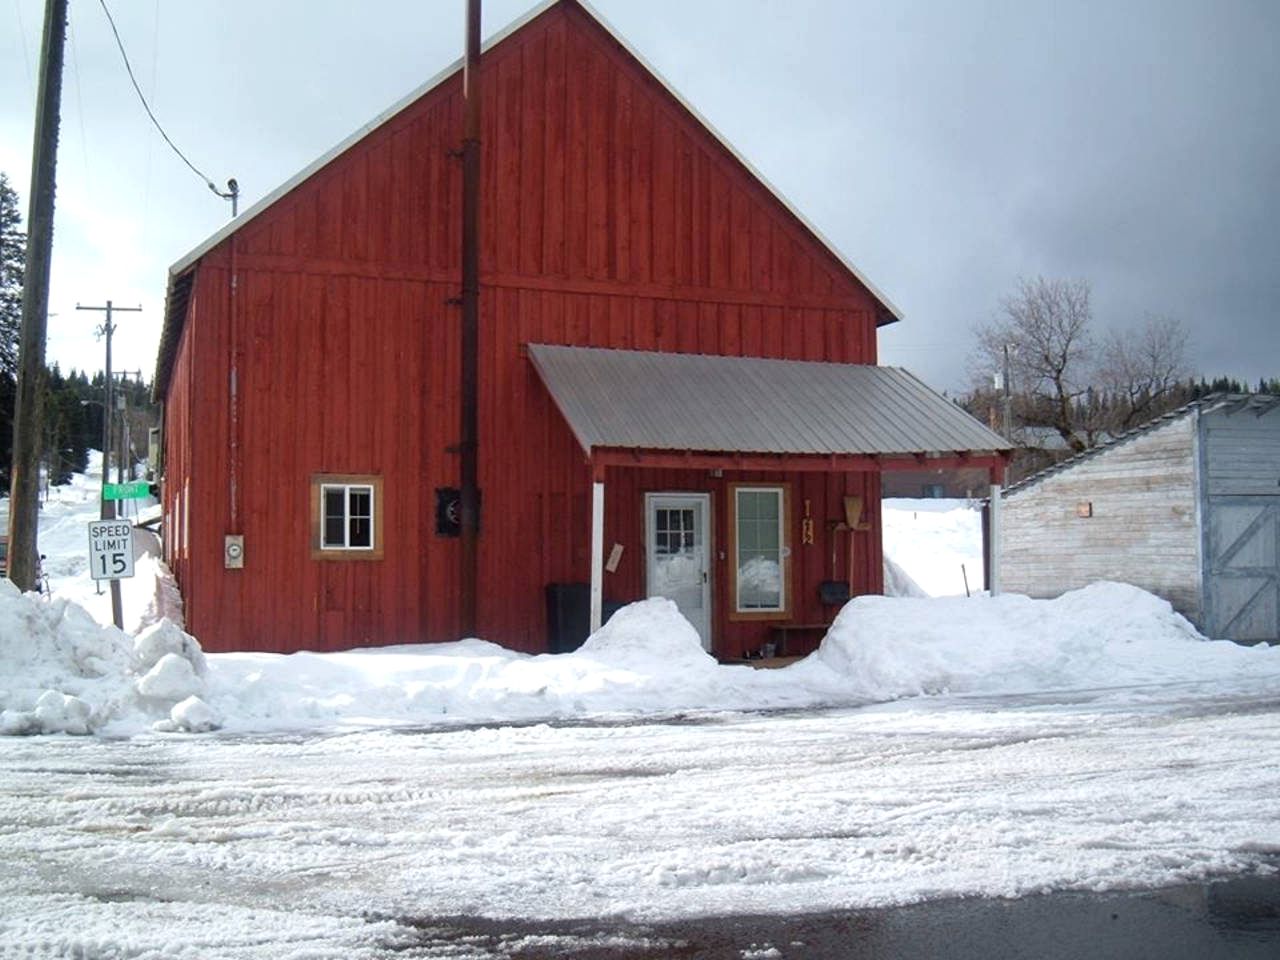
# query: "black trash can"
[[569, 615]]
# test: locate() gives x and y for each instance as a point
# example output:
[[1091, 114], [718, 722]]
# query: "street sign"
[[110, 549], [135, 490]]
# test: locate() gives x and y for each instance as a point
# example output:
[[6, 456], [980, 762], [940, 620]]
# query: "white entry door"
[[679, 554]]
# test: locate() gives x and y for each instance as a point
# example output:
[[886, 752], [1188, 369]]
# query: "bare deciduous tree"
[[1142, 369], [1063, 382], [1045, 325]]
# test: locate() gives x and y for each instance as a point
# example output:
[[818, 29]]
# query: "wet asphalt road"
[[1236, 919]]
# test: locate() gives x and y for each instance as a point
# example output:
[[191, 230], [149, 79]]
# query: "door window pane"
[[678, 568]]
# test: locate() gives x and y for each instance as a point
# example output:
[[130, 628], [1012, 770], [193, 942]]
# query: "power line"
[[26, 57], [145, 106], [84, 139]]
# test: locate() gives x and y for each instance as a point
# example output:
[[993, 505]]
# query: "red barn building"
[[677, 385]]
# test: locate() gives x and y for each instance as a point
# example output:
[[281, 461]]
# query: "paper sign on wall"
[[615, 557]]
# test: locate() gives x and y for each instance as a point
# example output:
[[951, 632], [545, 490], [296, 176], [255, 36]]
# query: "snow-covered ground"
[[314, 846], [930, 748], [937, 543]]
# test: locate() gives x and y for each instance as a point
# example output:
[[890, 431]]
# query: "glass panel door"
[[678, 555]]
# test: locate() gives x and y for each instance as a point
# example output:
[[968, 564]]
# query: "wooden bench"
[[782, 631]]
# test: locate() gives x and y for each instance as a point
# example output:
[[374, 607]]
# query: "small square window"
[[347, 517]]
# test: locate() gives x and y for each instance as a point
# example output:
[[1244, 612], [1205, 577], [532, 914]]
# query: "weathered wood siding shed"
[[1187, 507], [316, 337]]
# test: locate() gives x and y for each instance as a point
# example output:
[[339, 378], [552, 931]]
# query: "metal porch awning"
[[637, 408], [634, 400]]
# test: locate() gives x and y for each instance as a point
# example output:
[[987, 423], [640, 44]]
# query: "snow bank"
[[646, 659], [1105, 635], [148, 597], [65, 673], [62, 672], [899, 583], [651, 637]]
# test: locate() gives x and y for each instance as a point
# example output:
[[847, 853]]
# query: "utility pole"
[[124, 459], [469, 494], [1008, 398], [107, 507], [24, 478], [121, 412]]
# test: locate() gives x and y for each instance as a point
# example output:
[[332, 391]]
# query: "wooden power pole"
[[107, 508], [24, 478]]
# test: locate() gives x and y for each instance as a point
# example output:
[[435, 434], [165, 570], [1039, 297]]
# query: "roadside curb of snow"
[[65, 673]]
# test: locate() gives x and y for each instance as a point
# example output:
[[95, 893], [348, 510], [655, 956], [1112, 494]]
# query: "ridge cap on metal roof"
[[532, 345]]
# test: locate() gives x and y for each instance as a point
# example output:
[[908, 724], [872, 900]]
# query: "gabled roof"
[[1227, 403], [173, 320], [640, 400]]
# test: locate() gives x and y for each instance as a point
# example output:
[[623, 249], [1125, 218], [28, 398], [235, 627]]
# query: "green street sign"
[[126, 491]]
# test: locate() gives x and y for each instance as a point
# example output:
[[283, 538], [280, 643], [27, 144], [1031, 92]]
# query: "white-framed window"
[[346, 517], [760, 572]]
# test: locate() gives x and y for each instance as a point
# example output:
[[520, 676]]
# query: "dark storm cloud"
[[1134, 148], [950, 148], [946, 148]]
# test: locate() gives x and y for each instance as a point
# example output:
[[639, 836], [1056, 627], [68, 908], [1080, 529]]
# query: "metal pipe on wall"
[[469, 495]]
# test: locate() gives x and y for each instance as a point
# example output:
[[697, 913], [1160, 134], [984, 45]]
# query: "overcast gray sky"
[[946, 148]]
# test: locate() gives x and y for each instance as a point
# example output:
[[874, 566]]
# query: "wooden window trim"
[[321, 480], [785, 613]]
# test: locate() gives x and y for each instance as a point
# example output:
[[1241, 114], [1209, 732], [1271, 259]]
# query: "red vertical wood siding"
[[611, 218]]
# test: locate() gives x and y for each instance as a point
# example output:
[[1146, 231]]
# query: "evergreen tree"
[[67, 434], [13, 253]]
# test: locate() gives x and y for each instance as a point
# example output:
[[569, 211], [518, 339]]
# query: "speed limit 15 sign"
[[110, 549]]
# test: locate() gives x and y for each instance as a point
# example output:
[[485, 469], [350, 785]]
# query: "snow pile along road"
[[65, 673], [148, 596], [62, 672], [646, 660], [1105, 635]]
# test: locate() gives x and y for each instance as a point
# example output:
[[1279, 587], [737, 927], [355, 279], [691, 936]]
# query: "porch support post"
[[597, 553], [994, 533]]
